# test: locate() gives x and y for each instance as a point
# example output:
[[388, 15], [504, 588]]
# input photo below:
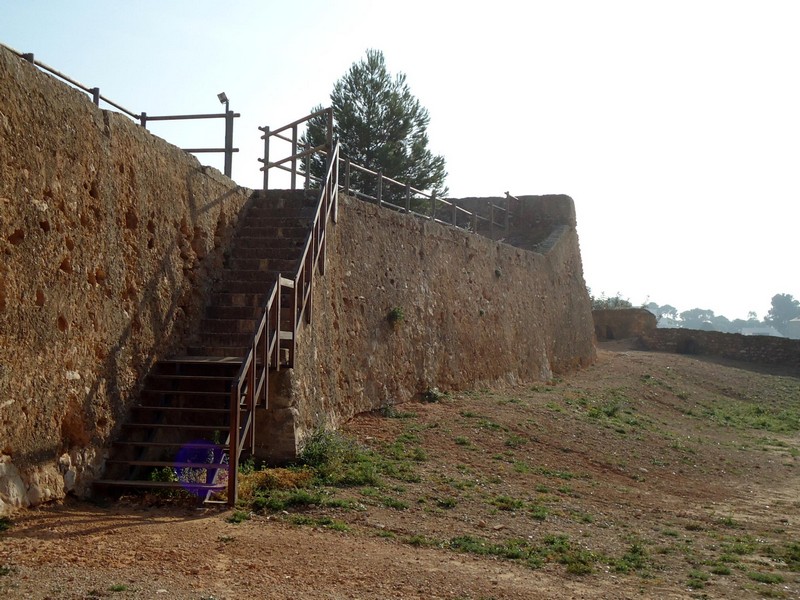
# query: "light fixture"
[[223, 99]]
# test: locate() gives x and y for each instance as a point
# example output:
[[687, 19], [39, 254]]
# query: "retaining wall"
[[109, 237], [473, 311]]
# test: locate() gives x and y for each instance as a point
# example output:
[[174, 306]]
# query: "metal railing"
[[295, 156], [143, 118], [488, 217], [250, 388], [251, 385]]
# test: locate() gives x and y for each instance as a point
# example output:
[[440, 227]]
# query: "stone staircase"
[[177, 437]]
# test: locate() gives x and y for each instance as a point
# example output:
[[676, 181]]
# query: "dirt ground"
[[646, 475]]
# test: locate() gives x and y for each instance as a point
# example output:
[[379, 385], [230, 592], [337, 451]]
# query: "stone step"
[[277, 222], [259, 240], [281, 265], [257, 252], [223, 351], [271, 231], [219, 325], [285, 198], [283, 212], [252, 311]]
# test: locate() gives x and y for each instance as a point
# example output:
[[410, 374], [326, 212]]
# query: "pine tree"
[[381, 126]]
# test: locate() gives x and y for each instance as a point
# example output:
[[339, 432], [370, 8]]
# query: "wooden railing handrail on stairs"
[[250, 388]]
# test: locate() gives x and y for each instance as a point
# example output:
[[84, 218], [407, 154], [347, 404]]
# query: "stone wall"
[[473, 311], [109, 237], [750, 348], [622, 323]]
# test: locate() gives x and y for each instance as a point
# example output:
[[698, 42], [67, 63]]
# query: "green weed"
[[238, 516], [765, 577]]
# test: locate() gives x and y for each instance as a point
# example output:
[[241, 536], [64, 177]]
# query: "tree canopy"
[[784, 309], [381, 126]]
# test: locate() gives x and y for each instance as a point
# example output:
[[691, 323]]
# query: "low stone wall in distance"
[[622, 323], [754, 348]]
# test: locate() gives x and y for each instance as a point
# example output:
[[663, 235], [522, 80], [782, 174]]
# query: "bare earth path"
[[645, 476]]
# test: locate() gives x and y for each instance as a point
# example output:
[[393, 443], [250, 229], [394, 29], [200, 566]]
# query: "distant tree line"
[[781, 316]]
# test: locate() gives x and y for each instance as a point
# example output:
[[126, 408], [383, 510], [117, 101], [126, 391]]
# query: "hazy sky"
[[675, 126]]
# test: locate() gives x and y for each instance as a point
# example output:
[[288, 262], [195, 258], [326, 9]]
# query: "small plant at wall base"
[[395, 316]]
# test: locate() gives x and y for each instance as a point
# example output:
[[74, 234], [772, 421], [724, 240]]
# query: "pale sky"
[[675, 126]]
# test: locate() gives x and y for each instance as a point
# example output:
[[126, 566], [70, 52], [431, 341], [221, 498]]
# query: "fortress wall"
[[762, 349], [109, 237], [473, 311]]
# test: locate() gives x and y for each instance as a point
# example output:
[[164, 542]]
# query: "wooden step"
[[176, 465], [176, 426], [176, 485], [182, 409], [176, 444]]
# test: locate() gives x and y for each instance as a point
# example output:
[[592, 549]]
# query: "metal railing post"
[[508, 212], [408, 198], [329, 134], [143, 120], [475, 219], [455, 213], [433, 206], [379, 192], [491, 220], [228, 143], [294, 157], [307, 184], [266, 158], [347, 175]]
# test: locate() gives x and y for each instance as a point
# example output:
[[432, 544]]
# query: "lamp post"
[[223, 98]]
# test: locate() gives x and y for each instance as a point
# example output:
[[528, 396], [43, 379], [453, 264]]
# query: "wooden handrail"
[[250, 388]]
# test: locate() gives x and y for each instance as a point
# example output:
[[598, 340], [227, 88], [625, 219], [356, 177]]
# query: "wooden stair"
[[177, 435]]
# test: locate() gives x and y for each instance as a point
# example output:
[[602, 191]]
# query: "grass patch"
[[720, 570], [446, 503], [5, 524], [538, 511], [768, 578], [325, 522], [119, 587], [507, 503], [635, 559], [697, 579], [238, 516], [515, 441]]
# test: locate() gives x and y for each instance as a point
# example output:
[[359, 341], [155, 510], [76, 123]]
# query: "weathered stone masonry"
[[474, 311], [109, 237]]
